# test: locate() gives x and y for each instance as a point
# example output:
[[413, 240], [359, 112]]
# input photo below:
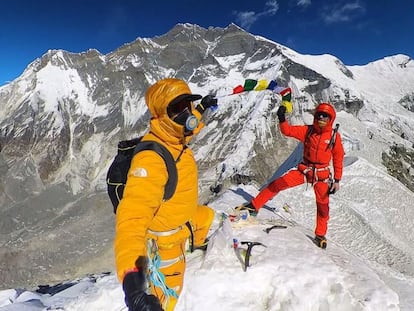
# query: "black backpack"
[[118, 171]]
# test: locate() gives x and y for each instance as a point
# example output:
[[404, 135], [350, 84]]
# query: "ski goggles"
[[180, 103], [322, 115], [178, 107]]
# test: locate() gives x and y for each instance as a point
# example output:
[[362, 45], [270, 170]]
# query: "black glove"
[[334, 187], [135, 297], [281, 114], [208, 101], [247, 207]]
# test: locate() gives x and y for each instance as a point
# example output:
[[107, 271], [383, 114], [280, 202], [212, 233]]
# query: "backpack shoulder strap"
[[169, 162], [333, 137]]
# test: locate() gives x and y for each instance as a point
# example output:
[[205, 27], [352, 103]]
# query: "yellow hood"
[[157, 98]]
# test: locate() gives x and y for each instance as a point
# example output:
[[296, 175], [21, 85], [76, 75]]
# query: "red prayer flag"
[[238, 89]]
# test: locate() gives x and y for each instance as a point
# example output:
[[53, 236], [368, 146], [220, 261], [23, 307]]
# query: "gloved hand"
[[135, 297], [208, 101], [247, 207], [334, 187], [281, 114]]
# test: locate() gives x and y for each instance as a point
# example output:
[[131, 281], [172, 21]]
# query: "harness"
[[165, 233], [155, 263], [309, 166], [314, 170], [153, 246]]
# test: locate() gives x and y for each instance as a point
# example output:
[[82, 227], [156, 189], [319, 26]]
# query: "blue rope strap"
[[156, 277]]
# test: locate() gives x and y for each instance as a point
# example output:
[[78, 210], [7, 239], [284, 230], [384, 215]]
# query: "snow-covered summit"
[[360, 270]]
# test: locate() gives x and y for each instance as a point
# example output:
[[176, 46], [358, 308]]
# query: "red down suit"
[[315, 166]]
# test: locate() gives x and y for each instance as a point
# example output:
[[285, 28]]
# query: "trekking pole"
[[275, 210]]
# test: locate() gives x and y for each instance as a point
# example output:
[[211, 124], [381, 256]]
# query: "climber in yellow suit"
[[148, 228]]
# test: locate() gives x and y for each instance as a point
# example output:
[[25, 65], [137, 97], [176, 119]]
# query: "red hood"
[[330, 110]]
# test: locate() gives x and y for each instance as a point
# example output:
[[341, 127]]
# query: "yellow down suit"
[[143, 216]]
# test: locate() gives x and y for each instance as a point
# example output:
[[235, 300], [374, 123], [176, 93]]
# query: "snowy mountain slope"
[[60, 122], [290, 273], [363, 223]]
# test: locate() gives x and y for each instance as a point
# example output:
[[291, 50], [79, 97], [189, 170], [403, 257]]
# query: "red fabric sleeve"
[[338, 157], [295, 131]]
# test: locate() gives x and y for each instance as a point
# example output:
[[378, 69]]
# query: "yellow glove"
[[287, 99], [288, 105]]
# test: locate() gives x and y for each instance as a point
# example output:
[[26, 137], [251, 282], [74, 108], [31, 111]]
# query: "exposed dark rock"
[[399, 162]]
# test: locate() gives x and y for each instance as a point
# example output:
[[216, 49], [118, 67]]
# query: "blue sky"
[[355, 31]]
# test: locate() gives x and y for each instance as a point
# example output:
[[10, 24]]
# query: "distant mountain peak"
[[60, 121]]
